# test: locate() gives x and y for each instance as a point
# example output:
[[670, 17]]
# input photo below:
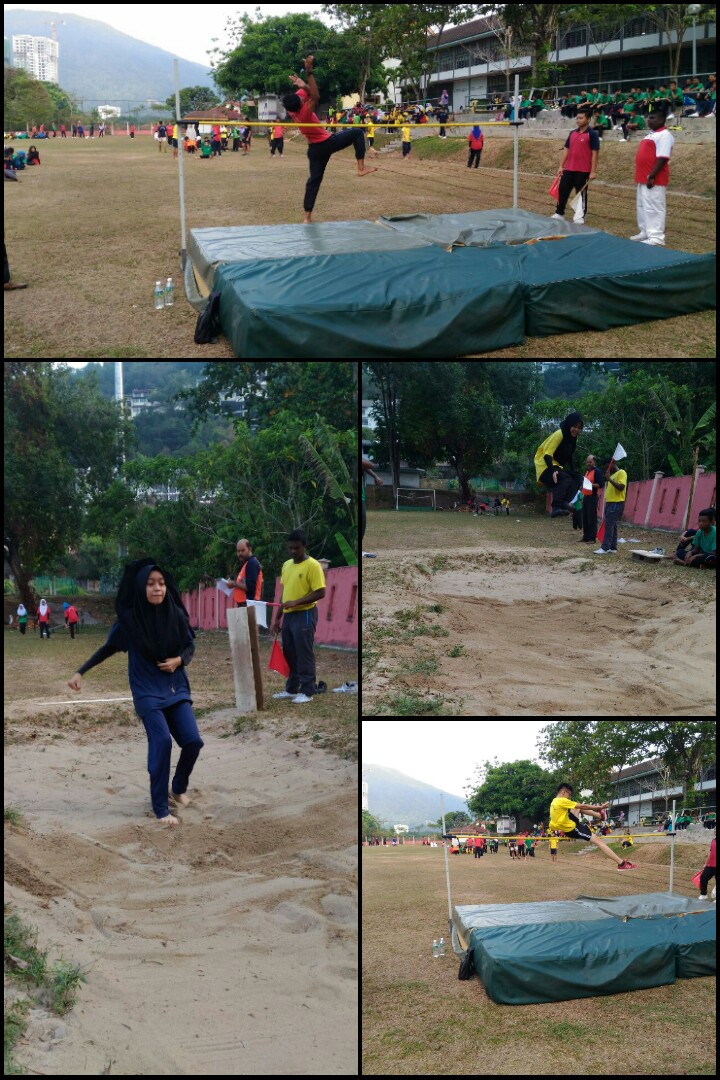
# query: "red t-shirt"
[[305, 115], [580, 145], [656, 144]]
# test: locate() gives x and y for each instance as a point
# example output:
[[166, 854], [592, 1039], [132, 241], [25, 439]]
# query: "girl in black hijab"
[[554, 464], [153, 627]]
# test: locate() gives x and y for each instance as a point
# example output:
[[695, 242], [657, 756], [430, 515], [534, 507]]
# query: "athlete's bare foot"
[[169, 820], [307, 219], [181, 799], [365, 171]]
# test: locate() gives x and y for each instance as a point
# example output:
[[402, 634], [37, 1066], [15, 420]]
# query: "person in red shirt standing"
[[72, 619], [475, 145], [321, 144], [708, 871], [652, 174], [578, 165]]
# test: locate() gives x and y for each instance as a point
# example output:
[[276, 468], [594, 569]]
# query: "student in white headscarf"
[[43, 618], [22, 618]]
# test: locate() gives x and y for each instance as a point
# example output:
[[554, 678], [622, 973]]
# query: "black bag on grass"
[[467, 967], [207, 329]]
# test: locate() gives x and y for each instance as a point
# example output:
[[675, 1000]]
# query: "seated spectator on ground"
[[702, 552], [33, 157], [684, 545]]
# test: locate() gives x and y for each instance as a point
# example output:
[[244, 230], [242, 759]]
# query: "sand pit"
[[536, 632], [224, 946]]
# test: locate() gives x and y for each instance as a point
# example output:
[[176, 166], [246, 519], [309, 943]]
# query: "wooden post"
[[692, 492], [255, 650], [240, 649]]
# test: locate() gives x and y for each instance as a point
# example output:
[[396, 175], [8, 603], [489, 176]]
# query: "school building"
[[471, 60]]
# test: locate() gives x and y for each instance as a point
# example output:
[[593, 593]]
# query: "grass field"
[[96, 225], [418, 1019], [511, 616]]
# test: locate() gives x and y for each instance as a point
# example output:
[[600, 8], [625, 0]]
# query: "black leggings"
[[319, 154]]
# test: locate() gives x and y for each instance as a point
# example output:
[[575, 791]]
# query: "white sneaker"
[[601, 551], [639, 236], [653, 243], [284, 693], [300, 698], [346, 688], [558, 217], [701, 897]]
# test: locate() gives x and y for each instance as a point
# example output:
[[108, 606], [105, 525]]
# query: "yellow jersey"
[[299, 579]]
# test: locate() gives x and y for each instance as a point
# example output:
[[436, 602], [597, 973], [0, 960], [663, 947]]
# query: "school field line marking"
[[72, 701]]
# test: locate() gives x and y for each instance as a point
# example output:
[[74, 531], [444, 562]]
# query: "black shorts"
[[581, 830]]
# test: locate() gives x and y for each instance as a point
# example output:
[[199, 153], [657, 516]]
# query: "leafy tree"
[[304, 389], [404, 30], [268, 50], [26, 100], [587, 751], [370, 825], [515, 787], [193, 98], [463, 425], [62, 443]]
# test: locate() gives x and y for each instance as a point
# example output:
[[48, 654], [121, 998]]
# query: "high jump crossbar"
[[345, 127], [619, 836]]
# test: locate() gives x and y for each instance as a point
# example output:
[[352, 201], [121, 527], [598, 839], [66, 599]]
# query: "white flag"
[[619, 453], [587, 486], [260, 611]]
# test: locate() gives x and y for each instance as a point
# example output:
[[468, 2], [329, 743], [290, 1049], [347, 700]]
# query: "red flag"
[[277, 660], [601, 530], [554, 188]]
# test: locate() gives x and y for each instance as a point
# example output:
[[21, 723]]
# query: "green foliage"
[[586, 751], [370, 825], [26, 101], [260, 487], [62, 441], [515, 787], [272, 48], [193, 98]]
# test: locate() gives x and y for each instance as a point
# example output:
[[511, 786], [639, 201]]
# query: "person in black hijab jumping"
[[153, 627], [554, 465]]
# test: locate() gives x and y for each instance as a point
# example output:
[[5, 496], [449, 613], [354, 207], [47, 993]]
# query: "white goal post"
[[415, 498]]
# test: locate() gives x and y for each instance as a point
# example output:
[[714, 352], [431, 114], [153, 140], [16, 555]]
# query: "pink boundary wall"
[[661, 503], [337, 611]]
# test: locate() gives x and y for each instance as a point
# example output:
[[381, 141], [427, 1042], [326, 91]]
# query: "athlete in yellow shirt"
[[562, 820]]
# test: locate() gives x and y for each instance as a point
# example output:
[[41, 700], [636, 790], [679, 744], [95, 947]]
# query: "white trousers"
[[651, 212]]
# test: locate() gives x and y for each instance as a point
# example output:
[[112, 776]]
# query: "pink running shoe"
[[627, 865]]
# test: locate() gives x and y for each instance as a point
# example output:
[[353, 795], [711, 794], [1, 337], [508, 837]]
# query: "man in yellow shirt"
[[614, 505], [561, 819], [303, 584]]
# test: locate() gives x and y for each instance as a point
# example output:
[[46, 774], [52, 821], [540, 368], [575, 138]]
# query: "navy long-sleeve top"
[[151, 688]]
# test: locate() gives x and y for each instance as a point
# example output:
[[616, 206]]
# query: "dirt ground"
[[419, 1019], [224, 946], [509, 616], [94, 227]]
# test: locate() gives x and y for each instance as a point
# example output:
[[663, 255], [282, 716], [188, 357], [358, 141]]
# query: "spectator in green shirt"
[[702, 552]]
